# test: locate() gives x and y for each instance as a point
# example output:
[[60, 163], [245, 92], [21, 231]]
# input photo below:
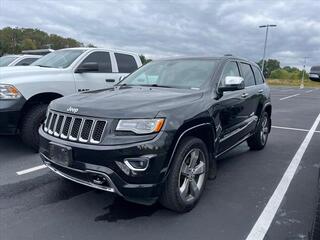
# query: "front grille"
[[75, 128]]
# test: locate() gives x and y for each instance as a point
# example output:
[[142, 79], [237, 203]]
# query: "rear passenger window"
[[126, 63], [247, 74], [103, 60], [231, 69], [26, 61], [258, 76]]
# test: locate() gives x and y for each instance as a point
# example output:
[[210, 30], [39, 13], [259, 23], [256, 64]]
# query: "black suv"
[[157, 134]]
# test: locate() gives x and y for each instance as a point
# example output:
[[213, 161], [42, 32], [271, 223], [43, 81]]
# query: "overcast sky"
[[178, 28]]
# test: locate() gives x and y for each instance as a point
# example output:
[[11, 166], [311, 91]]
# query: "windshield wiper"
[[156, 85]]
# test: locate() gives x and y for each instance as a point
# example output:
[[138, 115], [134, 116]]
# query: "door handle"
[[244, 95], [110, 80], [261, 91]]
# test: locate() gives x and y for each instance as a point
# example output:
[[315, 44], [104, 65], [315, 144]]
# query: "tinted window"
[[6, 60], [26, 61], [126, 63], [258, 76], [247, 74], [191, 74], [315, 69], [231, 69], [103, 60]]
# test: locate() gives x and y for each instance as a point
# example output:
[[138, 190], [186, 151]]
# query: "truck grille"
[[75, 128]]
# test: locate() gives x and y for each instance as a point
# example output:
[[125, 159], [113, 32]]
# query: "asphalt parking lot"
[[37, 204]]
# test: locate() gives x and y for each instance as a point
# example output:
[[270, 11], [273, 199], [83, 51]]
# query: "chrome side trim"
[[238, 130], [233, 146]]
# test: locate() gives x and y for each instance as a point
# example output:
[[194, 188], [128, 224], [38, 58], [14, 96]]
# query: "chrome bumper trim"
[[113, 188]]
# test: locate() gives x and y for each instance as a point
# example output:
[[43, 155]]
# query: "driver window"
[[103, 60], [230, 69]]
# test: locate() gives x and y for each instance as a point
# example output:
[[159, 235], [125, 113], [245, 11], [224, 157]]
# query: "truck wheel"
[[30, 124], [258, 140], [187, 176]]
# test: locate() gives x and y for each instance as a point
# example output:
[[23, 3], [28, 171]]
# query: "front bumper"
[[10, 115], [89, 161]]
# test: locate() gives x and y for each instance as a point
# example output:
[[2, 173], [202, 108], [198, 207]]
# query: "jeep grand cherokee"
[[157, 134]]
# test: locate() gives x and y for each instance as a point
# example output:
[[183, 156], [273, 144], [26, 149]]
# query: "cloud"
[[178, 28]]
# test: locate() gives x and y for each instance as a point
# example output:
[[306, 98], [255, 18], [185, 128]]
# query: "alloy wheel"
[[192, 175]]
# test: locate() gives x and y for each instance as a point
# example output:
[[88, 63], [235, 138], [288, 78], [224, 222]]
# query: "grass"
[[293, 83]]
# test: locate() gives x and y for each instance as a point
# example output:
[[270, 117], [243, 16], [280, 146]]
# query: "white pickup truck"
[[25, 92]]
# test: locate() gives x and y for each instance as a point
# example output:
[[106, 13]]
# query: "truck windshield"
[[58, 59], [6, 60], [191, 74]]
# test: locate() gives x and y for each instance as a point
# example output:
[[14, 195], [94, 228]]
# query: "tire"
[[30, 124], [187, 178], [259, 139]]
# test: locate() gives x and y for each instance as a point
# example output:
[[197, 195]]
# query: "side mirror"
[[232, 83], [88, 67]]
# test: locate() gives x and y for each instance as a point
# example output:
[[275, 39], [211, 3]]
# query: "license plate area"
[[60, 154]]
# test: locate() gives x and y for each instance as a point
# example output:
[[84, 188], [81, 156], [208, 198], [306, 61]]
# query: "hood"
[[13, 74], [126, 102]]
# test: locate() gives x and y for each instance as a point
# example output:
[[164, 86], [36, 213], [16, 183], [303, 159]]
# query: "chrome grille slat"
[[70, 128], [86, 130], [52, 123], [75, 128], [47, 122], [59, 125]]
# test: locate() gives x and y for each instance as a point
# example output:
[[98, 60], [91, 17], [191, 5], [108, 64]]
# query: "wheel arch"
[[44, 98], [203, 130]]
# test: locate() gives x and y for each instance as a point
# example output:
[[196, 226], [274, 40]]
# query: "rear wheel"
[[260, 138], [187, 177], [30, 125]]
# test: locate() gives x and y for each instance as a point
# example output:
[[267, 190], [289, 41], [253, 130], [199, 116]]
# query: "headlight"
[[141, 126], [9, 92]]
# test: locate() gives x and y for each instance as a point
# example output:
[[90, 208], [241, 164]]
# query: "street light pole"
[[265, 43], [304, 69]]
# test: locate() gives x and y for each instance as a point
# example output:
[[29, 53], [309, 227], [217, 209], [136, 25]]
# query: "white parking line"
[[264, 221], [294, 129], [29, 170], [291, 96], [309, 91]]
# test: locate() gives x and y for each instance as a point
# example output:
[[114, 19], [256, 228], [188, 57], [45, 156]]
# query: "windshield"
[[192, 74], [6, 60], [58, 59]]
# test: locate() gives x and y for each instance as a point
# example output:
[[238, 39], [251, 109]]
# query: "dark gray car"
[[314, 74]]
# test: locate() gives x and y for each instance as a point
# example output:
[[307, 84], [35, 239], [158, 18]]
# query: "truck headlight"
[[9, 92], [141, 126]]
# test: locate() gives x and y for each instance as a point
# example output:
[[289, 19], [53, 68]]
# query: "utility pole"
[[265, 44], [303, 71]]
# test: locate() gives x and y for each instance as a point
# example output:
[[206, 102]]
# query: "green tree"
[[13, 40], [144, 60], [269, 66], [90, 45], [28, 44]]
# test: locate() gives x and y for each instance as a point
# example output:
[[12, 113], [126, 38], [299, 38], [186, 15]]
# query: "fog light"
[[138, 164]]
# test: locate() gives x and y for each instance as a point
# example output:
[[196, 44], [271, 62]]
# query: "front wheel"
[[187, 177], [30, 124], [258, 140]]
